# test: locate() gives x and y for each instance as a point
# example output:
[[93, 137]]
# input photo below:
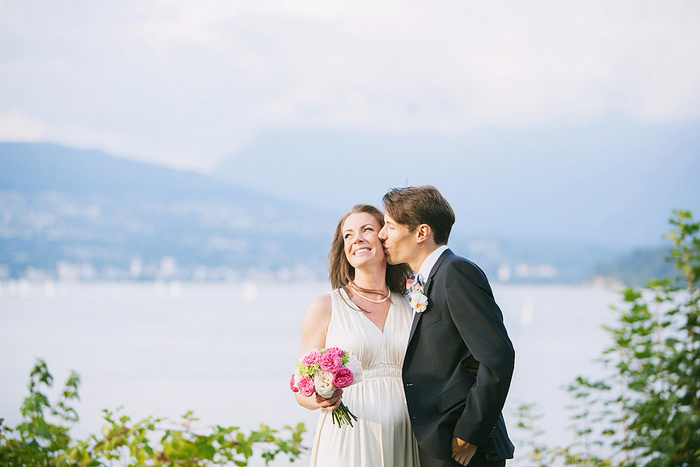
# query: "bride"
[[367, 315]]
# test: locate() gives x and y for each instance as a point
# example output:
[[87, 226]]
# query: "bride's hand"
[[330, 404]]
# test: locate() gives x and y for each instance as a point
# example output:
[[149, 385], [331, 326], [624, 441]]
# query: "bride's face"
[[362, 244]]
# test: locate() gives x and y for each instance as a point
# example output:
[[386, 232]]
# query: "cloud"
[[16, 126], [188, 83]]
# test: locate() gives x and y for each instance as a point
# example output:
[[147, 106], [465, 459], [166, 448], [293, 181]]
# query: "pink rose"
[[292, 386], [311, 358], [306, 386], [343, 378], [335, 350], [330, 362]]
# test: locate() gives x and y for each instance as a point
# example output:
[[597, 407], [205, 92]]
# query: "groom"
[[459, 359]]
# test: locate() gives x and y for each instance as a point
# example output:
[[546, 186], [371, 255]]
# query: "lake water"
[[226, 351]]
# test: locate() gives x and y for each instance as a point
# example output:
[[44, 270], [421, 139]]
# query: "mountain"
[[639, 266], [86, 214], [29, 167], [611, 184], [81, 214]]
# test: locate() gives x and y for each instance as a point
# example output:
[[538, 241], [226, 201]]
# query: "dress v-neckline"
[[386, 319], [364, 316]]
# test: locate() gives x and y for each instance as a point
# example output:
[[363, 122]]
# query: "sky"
[[189, 84]]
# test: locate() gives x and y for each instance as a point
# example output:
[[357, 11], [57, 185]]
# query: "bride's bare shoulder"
[[316, 322], [320, 307]]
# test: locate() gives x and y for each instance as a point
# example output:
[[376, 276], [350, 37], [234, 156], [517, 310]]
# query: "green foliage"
[[44, 432], [589, 413], [43, 437], [527, 419], [647, 413], [657, 344]]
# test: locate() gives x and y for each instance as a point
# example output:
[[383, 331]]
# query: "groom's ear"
[[423, 233]]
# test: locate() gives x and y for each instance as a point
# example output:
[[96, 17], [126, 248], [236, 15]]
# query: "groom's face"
[[399, 243]]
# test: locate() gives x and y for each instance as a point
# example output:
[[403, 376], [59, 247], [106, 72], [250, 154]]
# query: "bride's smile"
[[361, 238]]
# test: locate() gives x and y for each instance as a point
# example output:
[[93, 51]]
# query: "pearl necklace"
[[354, 287]]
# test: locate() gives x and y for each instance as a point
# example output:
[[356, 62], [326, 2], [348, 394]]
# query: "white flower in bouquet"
[[323, 382], [355, 366]]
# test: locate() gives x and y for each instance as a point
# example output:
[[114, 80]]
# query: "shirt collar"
[[430, 261]]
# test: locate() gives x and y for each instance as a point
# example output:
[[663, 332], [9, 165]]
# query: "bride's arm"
[[313, 336]]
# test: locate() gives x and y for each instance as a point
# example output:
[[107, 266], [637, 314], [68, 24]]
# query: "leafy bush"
[[43, 436], [647, 412]]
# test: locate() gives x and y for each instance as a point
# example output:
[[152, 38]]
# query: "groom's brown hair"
[[415, 205]]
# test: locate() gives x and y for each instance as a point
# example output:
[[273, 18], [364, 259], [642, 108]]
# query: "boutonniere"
[[418, 300]]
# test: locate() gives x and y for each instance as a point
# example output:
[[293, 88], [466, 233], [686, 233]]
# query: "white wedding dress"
[[381, 436]]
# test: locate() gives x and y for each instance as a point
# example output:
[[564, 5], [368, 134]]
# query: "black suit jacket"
[[459, 363]]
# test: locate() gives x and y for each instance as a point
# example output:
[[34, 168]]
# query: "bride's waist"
[[382, 370]]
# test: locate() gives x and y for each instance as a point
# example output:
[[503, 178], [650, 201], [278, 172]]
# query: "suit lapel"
[[436, 266], [426, 291]]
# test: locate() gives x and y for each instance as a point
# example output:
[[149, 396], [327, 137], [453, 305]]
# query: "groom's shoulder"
[[455, 264], [456, 260]]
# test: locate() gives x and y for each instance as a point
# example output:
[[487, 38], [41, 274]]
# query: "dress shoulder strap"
[[338, 299], [342, 316]]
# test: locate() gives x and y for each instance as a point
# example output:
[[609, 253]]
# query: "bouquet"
[[323, 372]]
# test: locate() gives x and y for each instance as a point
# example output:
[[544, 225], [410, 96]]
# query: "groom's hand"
[[330, 404], [462, 452]]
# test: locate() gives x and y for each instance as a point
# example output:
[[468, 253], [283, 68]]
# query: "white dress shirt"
[[429, 262]]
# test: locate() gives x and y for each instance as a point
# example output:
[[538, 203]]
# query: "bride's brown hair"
[[341, 272]]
